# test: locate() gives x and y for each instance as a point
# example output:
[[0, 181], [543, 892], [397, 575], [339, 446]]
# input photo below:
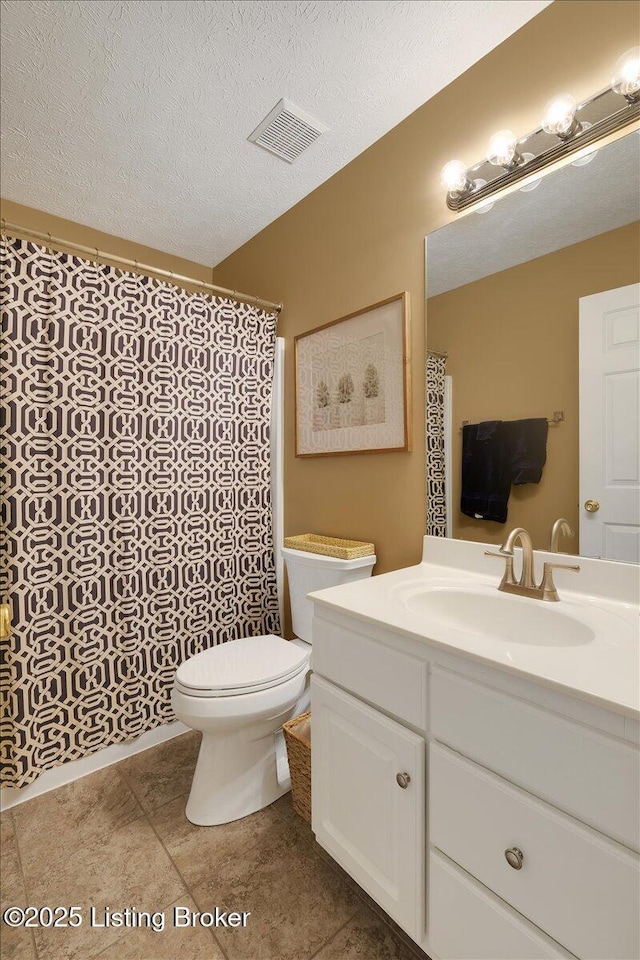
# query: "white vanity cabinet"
[[511, 766]]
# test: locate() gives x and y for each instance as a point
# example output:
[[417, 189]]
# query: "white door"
[[610, 424], [372, 825]]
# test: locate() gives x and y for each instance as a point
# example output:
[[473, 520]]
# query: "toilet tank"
[[308, 572]]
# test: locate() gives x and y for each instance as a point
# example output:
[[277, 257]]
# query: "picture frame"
[[352, 383]]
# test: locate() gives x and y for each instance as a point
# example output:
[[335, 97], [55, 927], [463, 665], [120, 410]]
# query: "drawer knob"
[[514, 857], [403, 780]]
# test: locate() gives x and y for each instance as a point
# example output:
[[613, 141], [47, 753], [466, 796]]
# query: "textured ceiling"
[[131, 116], [570, 205]]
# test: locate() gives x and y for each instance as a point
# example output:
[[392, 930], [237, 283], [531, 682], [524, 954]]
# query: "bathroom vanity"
[[476, 763]]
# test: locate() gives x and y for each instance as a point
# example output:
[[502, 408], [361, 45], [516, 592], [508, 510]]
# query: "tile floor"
[[119, 838]]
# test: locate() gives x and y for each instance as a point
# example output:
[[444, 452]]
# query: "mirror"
[[532, 315]]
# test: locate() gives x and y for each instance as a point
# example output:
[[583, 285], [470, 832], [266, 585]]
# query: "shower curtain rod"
[[51, 241], [437, 353]]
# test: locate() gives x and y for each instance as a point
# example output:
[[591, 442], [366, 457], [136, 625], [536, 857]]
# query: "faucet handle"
[[506, 555], [561, 566], [547, 585], [509, 577]]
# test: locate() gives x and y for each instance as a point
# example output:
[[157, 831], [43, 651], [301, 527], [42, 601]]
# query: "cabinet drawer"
[[392, 680], [578, 886], [593, 777], [468, 922]]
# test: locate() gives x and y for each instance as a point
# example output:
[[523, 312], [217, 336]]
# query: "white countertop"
[[603, 597]]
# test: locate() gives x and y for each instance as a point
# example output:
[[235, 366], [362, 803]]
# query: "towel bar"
[[558, 417]]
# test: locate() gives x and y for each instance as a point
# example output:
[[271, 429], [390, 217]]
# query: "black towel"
[[495, 454], [527, 442], [486, 471]]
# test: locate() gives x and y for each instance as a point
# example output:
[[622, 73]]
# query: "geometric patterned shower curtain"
[[436, 499], [137, 503]]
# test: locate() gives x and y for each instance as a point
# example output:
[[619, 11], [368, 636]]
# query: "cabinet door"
[[371, 824]]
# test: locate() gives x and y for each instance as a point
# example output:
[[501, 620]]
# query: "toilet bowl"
[[238, 702], [240, 693]]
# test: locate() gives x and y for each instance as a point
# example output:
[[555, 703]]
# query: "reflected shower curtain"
[[436, 500], [138, 516]]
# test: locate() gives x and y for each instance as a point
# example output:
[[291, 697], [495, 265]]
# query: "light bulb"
[[503, 151], [626, 75], [454, 176], [560, 117]]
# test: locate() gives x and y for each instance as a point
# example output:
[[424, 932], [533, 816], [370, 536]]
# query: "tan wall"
[[513, 344], [43, 222], [360, 238]]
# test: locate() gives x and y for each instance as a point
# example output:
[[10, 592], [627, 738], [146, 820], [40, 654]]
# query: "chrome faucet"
[[526, 586], [561, 528]]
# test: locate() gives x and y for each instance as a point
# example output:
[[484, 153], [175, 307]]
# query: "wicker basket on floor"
[[297, 733]]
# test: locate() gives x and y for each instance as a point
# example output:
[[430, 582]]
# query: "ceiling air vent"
[[287, 131]]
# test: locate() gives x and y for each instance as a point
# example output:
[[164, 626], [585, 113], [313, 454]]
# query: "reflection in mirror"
[[533, 316]]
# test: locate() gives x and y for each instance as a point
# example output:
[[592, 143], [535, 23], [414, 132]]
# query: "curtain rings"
[[46, 281]]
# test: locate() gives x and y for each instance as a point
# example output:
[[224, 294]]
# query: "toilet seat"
[[241, 666]]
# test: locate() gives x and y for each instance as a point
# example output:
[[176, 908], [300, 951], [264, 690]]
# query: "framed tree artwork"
[[352, 383]]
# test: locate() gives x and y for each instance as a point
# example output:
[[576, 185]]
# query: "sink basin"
[[585, 644], [501, 616]]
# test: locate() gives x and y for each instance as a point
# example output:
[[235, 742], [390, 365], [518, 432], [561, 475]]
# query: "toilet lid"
[[253, 663]]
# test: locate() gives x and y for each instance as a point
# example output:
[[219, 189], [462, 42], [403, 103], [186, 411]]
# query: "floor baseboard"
[[75, 769]]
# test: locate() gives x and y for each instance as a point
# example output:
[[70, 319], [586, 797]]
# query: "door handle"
[[591, 506], [403, 780]]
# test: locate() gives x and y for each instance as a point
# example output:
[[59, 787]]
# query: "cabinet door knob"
[[591, 506], [403, 780], [514, 857]]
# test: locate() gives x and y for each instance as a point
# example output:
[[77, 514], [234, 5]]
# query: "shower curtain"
[[138, 520], [436, 500]]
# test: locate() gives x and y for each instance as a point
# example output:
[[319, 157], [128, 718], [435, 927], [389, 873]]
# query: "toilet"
[[240, 693]]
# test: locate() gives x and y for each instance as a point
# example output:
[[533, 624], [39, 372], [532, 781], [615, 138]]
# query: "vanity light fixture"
[[567, 127]]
